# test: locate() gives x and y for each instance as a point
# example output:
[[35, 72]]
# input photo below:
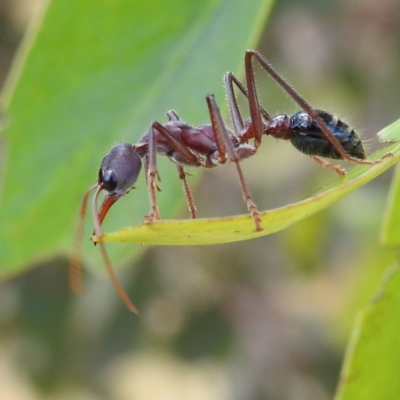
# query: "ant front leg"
[[224, 144], [188, 194], [254, 107], [151, 173]]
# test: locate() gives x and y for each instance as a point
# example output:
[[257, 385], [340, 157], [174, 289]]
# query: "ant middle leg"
[[185, 156], [173, 116], [224, 145], [244, 132], [151, 169]]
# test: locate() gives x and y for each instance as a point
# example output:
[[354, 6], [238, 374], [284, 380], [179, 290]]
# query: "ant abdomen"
[[308, 137]]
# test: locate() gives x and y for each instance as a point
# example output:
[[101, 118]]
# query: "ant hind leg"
[[327, 164], [224, 144]]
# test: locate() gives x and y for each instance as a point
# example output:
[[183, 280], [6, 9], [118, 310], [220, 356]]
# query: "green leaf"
[[390, 233], [232, 229], [93, 73], [371, 368]]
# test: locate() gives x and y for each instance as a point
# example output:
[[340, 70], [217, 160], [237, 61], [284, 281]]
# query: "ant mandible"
[[313, 132]]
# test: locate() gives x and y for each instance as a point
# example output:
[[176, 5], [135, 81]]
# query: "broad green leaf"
[[371, 369], [92, 73], [232, 229]]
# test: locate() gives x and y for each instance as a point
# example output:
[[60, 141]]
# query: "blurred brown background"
[[263, 319]]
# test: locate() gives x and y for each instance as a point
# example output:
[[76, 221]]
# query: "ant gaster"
[[313, 132]]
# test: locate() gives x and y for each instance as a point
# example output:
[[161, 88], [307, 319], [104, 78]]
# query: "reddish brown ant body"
[[208, 145], [313, 132]]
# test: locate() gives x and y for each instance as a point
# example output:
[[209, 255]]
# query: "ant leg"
[[172, 116], [254, 104], [327, 164], [188, 194], [253, 101], [233, 105], [146, 168], [179, 147], [150, 166], [247, 133], [231, 79], [224, 144], [186, 155]]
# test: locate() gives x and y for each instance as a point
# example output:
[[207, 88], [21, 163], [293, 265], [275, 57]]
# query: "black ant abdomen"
[[308, 137]]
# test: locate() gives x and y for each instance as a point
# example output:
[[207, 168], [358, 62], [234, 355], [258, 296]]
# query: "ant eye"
[[109, 181]]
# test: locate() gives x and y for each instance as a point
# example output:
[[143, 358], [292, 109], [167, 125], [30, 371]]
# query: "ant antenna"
[[75, 270], [75, 267]]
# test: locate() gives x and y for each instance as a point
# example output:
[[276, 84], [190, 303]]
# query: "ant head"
[[118, 173]]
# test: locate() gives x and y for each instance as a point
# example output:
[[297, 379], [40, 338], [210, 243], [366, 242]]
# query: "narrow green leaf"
[[232, 229], [371, 369], [390, 233]]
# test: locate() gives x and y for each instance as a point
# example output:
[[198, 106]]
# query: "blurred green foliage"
[[263, 319], [92, 74]]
